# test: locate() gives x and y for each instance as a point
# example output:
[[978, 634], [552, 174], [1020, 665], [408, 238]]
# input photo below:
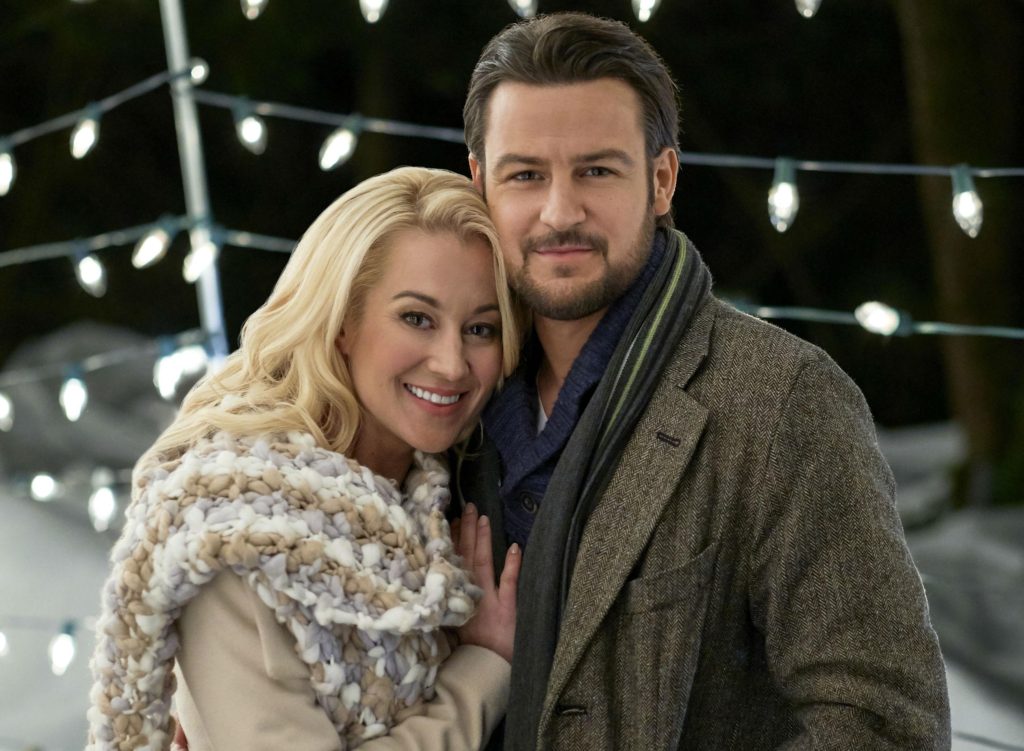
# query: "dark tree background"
[[928, 81]]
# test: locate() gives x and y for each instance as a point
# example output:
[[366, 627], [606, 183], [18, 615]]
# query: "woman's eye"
[[418, 320], [483, 330]]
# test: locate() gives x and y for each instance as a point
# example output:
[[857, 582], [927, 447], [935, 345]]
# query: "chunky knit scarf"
[[361, 574]]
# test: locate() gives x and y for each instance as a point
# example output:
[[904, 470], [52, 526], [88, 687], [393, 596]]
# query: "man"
[[712, 555]]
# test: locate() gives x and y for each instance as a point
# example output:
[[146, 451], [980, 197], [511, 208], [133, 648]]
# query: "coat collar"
[[620, 526]]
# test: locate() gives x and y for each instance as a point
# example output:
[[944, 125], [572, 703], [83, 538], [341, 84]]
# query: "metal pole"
[[193, 172]]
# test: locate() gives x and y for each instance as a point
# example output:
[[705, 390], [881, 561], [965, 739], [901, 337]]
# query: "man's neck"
[[562, 342]]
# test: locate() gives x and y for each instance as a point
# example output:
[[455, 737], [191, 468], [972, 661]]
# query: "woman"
[[268, 531]]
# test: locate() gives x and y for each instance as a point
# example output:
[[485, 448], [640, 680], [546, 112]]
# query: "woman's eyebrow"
[[433, 302]]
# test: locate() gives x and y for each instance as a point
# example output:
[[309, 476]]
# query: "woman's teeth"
[[430, 396]]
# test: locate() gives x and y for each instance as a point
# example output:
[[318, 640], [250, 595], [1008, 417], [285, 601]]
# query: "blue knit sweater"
[[528, 459]]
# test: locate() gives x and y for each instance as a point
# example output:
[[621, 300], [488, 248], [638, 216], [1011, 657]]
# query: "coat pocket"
[[658, 648]]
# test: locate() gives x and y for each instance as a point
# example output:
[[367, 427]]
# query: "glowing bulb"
[[73, 398], [251, 129], [8, 169], [199, 71], [91, 275], [172, 367], [199, 259], [5, 648], [62, 650], [644, 9], [102, 506], [151, 248], [6, 413], [253, 8], [807, 8], [338, 148], [43, 487], [967, 206], [783, 198], [525, 8], [878, 318], [373, 9], [86, 133]]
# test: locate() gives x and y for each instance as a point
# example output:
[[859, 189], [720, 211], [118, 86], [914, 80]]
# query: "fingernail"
[[483, 521], [470, 508], [514, 550]]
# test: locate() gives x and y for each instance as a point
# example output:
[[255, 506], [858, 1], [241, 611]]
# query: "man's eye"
[[596, 171], [418, 320], [525, 176]]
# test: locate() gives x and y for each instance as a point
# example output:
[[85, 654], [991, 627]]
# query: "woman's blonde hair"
[[287, 373]]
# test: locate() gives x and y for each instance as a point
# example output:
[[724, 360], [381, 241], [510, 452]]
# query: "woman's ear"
[[341, 343]]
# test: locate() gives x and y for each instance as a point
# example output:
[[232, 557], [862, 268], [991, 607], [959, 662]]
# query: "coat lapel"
[[617, 532]]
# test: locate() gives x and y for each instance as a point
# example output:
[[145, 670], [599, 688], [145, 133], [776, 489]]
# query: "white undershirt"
[[542, 418]]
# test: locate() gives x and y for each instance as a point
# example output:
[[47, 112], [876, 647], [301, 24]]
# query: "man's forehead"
[[600, 114]]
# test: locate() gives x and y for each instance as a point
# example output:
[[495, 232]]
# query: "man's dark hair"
[[566, 48]]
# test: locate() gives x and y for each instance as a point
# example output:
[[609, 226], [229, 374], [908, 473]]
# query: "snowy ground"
[[52, 563]]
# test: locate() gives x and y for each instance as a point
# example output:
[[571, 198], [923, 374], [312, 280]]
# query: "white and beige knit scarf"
[[362, 575]]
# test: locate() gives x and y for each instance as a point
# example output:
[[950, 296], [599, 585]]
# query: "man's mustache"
[[565, 237]]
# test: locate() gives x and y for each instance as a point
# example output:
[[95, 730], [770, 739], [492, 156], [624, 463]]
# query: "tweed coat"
[[744, 582]]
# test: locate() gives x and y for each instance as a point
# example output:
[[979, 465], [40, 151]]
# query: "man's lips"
[[563, 250]]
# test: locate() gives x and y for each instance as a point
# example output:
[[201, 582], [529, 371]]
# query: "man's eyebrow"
[[518, 159], [434, 303], [605, 155]]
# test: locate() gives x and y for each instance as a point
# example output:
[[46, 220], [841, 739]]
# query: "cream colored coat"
[[242, 686]]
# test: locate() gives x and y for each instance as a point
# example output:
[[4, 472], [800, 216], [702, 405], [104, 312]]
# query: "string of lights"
[[85, 122]]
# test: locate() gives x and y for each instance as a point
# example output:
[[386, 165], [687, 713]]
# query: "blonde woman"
[[286, 555]]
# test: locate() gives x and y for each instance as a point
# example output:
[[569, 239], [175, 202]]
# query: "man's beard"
[[592, 297]]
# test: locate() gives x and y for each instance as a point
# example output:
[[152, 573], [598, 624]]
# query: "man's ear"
[[476, 171], [666, 169]]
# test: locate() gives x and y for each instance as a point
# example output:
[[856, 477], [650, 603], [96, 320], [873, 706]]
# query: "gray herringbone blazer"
[[744, 581]]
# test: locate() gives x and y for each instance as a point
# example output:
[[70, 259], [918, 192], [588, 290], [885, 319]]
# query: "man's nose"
[[563, 205]]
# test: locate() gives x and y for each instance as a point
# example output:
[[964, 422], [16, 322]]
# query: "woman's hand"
[[494, 624]]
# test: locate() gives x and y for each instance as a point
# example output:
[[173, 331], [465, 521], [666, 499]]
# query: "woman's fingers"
[[467, 534], [483, 561], [510, 578]]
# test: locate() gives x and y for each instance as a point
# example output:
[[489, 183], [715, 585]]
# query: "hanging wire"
[[104, 105], [97, 361]]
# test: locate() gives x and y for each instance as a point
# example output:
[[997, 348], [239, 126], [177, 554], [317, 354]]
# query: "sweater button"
[[528, 502]]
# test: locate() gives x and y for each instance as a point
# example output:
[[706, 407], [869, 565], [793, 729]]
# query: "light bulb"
[[199, 71], [525, 8], [62, 650], [91, 275], [252, 8], [644, 9], [878, 318], [73, 398], [251, 129], [5, 648], [8, 169], [6, 413], [338, 148], [783, 198], [807, 8], [43, 487], [172, 367], [86, 133], [199, 259], [151, 248], [102, 506], [967, 206], [373, 9]]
